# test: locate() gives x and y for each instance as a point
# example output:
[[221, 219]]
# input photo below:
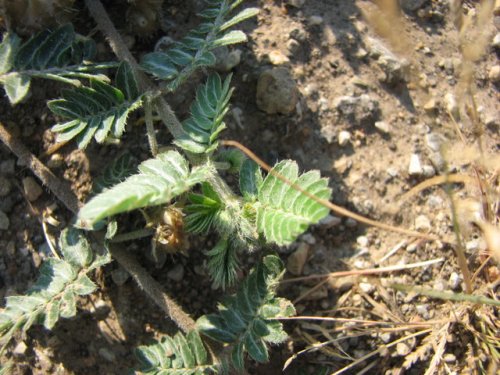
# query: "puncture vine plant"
[[95, 106]]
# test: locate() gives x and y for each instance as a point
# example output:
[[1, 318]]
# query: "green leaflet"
[[223, 264], [159, 180], [54, 293], [194, 50], [98, 111], [244, 320], [283, 213], [207, 113], [60, 54], [114, 173], [180, 355]]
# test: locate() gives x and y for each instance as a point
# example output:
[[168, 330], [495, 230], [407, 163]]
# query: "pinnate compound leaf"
[[8, 50], [54, 293], [207, 113], [158, 181], [98, 111], [223, 264], [240, 320], [283, 213], [179, 355]]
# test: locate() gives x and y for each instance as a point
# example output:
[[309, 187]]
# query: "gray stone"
[[412, 5], [434, 141], [395, 70], [296, 3], [32, 189], [367, 287], [8, 166], [496, 41], [4, 221], [358, 110], [277, 91], [423, 310], [292, 46], [315, 20], [5, 186], [451, 106], [176, 273], [330, 221], [225, 59], [437, 161], [454, 281]]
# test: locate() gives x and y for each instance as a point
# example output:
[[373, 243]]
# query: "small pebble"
[[5, 186], [403, 349], [315, 20], [451, 105], [8, 166], [428, 171], [422, 223], [309, 238], [366, 287], [32, 189], [440, 285], [496, 41], [4, 221], [385, 337], [20, 348], [454, 281], [415, 167], [296, 261], [344, 138], [411, 248], [296, 3], [383, 126], [363, 241], [434, 141], [449, 358], [55, 161], [277, 58], [494, 73], [431, 106], [351, 223], [423, 310], [176, 273], [330, 221]]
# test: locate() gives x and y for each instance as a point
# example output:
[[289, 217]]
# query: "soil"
[[330, 50]]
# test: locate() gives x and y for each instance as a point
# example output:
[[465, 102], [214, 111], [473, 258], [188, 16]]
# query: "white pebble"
[[344, 138], [422, 223], [363, 241], [383, 126], [366, 287], [415, 167], [454, 281], [315, 20]]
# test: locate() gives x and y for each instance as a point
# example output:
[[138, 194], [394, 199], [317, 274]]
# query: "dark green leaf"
[[125, 81], [159, 65]]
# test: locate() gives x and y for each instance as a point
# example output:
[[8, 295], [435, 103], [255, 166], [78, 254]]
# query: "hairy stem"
[[130, 236], [66, 196], [122, 52], [148, 118]]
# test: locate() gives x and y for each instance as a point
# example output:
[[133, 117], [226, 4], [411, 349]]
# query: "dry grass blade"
[[438, 180]]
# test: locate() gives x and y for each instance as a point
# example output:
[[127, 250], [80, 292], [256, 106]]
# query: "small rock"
[[298, 34], [437, 161], [277, 91], [431, 106], [225, 59], [20, 349], [351, 223], [309, 238], [428, 171], [366, 287], [296, 3], [363, 241], [296, 261], [5, 186], [423, 311], [330, 221], [120, 276], [403, 349], [395, 70], [292, 46], [383, 126], [439, 285], [411, 248], [415, 167], [55, 161], [422, 223], [4, 221], [8, 166], [107, 354], [31, 189], [434, 141], [449, 358], [315, 20], [176, 273], [454, 281], [494, 73], [277, 58], [386, 337], [496, 41], [344, 138], [412, 5], [358, 110]]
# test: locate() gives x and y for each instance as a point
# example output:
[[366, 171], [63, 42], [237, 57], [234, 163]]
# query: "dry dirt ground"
[[373, 108]]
